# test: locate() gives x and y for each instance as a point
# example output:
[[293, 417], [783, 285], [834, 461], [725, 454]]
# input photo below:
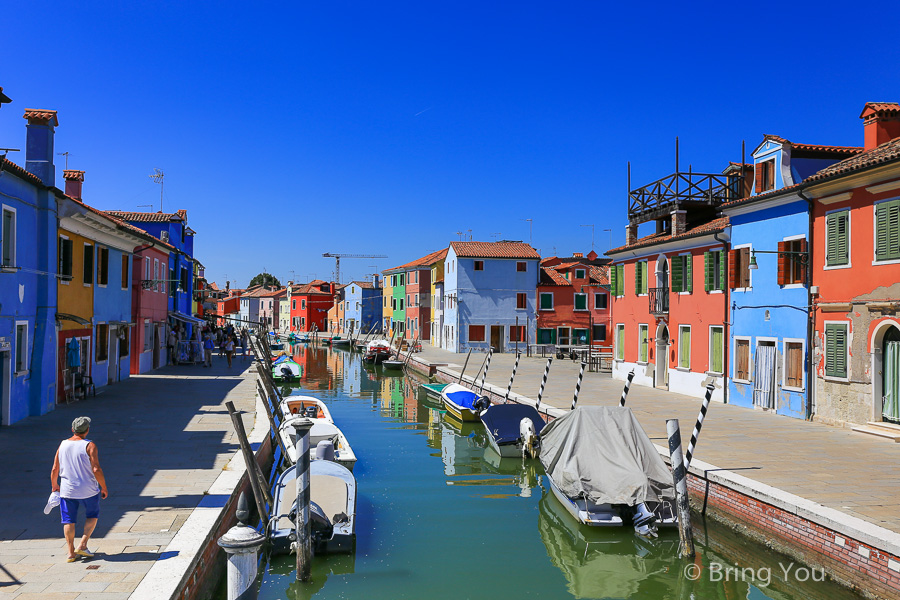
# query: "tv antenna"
[[337, 261], [459, 233], [158, 176], [470, 234], [610, 238], [66, 154], [530, 223], [496, 235], [592, 235]]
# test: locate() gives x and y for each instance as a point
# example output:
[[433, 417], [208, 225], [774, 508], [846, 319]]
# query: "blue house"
[[362, 305], [768, 278], [173, 229], [489, 293], [28, 267]]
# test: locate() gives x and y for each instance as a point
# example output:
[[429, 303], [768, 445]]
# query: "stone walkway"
[[163, 439], [850, 472]]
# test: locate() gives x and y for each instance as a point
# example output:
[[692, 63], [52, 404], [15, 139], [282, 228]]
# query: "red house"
[[228, 307], [573, 305], [149, 305], [418, 295], [309, 304]]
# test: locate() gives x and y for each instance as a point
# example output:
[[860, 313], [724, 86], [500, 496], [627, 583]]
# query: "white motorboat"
[[305, 406], [321, 432], [332, 491]]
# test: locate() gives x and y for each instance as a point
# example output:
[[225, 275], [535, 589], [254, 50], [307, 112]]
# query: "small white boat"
[[305, 406], [461, 402], [332, 490], [321, 432], [377, 351]]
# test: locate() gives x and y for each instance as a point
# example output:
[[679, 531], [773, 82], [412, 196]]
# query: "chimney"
[[227, 285], [630, 234], [881, 123], [577, 255], [39, 144], [376, 281], [74, 181], [679, 222]]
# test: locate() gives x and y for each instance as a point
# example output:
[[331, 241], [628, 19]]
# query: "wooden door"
[[497, 338]]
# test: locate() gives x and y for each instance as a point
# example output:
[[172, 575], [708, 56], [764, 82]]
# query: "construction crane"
[[337, 261]]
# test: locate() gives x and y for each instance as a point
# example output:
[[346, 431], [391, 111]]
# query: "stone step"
[[880, 431], [885, 425]]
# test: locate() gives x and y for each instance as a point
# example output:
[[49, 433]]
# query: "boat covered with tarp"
[[604, 469], [512, 428]]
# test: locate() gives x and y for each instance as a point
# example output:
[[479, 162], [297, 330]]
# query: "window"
[[479, 265], [643, 343], [599, 333], [8, 238], [417, 300], [887, 230], [293, 305], [837, 238], [123, 342], [148, 336], [476, 333], [393, 304], [793, 364], [791, 266], [742, 359], [836, 350], [620, 341], [546, 300], [184, 282], [102, 342], [717, 349], [403, 279], [684, 346], [580, 301], [516, 333], [640, 277], [616, 280], [715, 270], [88, 274], [146, 268], [65, 257], [401, 304], [521, 300], [739, 268], [521, 266], [579, 273], [546, 336], [125, 260], [765, 176], [600, 302], [682, 277], [302, 304], [21, 346], [580, 336], [102, 266], [156, 274]]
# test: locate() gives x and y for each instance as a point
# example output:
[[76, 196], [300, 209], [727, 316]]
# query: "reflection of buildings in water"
[[462, 446], [433, 429], [524, 473], [608, 562], [316, 369]]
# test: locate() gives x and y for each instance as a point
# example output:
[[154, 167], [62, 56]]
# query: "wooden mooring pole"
[[302, 525], [627, 387], [487, 365], [465, 364], [685, 531], [511, 378], [257, 482], [540, 395]]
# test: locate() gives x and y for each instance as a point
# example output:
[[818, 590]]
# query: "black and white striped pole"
[[537, 406], [627, 387], [511, 377], [487, 366], [698, 426], [679, 475], [302, 525], [578, 385]]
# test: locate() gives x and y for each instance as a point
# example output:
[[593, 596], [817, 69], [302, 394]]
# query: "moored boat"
[[460, 402], [392, 364], [286, 370], [305, 406], [377, 351], [513, 429], [321, 431]]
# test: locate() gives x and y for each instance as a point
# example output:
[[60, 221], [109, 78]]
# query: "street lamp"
[[804, 256]]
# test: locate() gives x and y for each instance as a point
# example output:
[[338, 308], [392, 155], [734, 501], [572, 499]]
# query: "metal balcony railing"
[[659, 301]]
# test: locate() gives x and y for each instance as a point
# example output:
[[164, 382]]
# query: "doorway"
[[497, 338], [156, 346], [764, 375], [5, 367], [890, 375], [562, 336], [661, 368], [112, 365]]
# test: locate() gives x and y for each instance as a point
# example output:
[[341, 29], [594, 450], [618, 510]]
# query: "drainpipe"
[[726, 333], [811, 315]]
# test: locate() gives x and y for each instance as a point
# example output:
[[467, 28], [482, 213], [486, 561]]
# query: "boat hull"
[[595, 515]]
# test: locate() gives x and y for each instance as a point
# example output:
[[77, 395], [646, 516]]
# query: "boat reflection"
[[526, 475], [283, 568]]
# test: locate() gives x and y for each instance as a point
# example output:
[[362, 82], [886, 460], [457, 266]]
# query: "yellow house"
[[437, 302], [75, 298]]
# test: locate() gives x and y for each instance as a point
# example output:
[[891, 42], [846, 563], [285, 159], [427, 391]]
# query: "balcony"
[[659, 301], [681, 190]]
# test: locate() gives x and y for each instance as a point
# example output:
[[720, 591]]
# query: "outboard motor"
[[644, 521], [325, 450], [530, 441], [481, 404], [311, 412], [320, 524], [286, 373]]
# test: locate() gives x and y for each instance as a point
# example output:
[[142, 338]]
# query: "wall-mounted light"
[[803, 257]]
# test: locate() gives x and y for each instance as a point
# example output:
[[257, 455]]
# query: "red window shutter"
[[783, 263], [732, 269], [803, 266], [758, 177]]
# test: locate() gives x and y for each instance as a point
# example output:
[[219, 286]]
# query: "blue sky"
[[292, 129]]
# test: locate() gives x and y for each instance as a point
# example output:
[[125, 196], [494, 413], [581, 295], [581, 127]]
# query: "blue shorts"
[[68, 508]]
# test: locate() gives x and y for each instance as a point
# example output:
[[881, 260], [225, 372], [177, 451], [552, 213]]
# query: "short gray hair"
[[81, 424]]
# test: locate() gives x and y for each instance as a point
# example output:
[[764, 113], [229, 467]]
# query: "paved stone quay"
[[163, 437]]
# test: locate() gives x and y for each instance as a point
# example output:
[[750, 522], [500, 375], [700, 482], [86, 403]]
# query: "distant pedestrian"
[[78, 478], [171, 341], [244, 346], [207, 350], [229, 349]]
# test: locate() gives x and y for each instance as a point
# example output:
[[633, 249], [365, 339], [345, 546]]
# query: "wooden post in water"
[[627, 387], [697, 427], [302, 525], [250, 464], [242, 544], [272, 424], [465, 364], [487, 366], [540, 395], [578, 385], [685, 531], [409, 349], [511, 377]]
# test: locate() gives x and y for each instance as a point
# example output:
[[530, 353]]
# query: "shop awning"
[[67, 317], [187, 318]]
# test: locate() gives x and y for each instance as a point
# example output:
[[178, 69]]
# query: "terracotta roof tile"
[[879, 155], [73, 175], [763, 196], [713, 226], [425, 261], [550, 276], [870, 107], [494, 250], [367, 285], [37, 114], [12, 167], [818, 148], [600, 274], [146, 217]]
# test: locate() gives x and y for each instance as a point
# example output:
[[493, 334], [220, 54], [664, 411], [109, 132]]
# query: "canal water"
[[439, 515]]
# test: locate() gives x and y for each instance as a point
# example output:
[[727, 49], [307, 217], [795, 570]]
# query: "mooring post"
[[698, 426], [537, 406], [511, 377], [302, 525], [686, 547], [627, 387], [242, 544], [487, 366], [465, 364], [253, 475], [578, 385]]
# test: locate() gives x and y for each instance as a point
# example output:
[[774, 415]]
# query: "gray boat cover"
[[601, 453]]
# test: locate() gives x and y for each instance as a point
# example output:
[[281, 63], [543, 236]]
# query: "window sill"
[[788, 388], [793, 286], [548, 309], [744, 381], [893, 261], [684, 293], [87, 285], [836, 267], [9, 269], [643, 362], [743, 289], [20, 373], [101, 285], [715, 292], [683, 369], [713, 374], [837, 379]]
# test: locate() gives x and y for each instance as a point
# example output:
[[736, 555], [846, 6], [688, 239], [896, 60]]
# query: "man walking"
[[78, 478], [207, 350]]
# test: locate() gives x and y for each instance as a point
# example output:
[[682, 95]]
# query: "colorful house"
[[249, 307], [362, 305], [437, 301], [284, 312], [669, 290], [768, 278], [573, 301], [856, 270], [387, 304], [397, 324], [28, 267], [313, 300], [489, 290], [149, 305], [418, 295]]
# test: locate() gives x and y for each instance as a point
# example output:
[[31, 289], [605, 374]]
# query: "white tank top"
[[76, 475]]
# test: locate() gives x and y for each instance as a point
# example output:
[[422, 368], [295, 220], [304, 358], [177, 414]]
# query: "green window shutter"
[[684, 358], [620, 280], [836, 350], [717, 356], [613, 279], [546, 300], [837, 231], [708, 270], [678, 274], [831, 240], [887, 230], [688, 273], [645, 267], [722, 263], [580, 301], [637, 278], [893, 219], [620, 342], [642, 341]]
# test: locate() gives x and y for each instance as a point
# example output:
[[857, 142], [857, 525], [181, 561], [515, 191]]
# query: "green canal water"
[[440, 516]]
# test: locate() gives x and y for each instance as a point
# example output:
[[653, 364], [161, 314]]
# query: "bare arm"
[[94, 455], [54, 473]]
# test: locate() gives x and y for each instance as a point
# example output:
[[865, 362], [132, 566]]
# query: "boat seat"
[[330, 493]]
